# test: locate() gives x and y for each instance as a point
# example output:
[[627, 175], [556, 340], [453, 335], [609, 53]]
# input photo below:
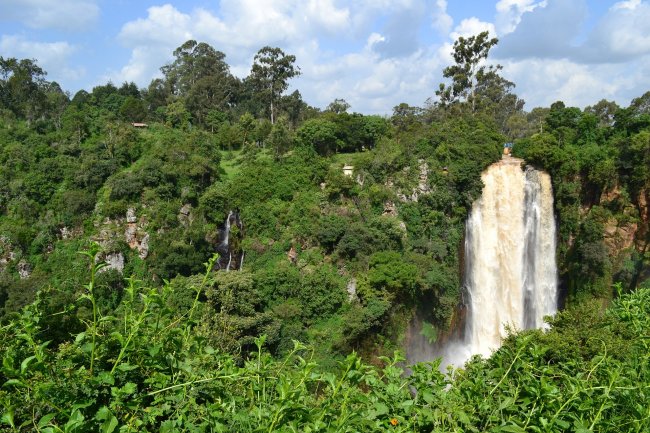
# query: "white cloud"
[[470, 27], [630, 5], [50, 56], [54, 14], [622, 34], [540, 82], [372, 52], [509, 13], [442, 21], [548, 31], [370, 76]]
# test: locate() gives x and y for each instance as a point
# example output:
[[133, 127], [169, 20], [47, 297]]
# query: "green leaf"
[[563, 424], [25, 363], [506, 403], [126, 367], [512, 429], [463, 418], [428, 397], [155, 349], [14, 382], [8, 417], [76, 418], [83, 405], [106, 378], [45, 420], [129, 388], [110, 422], [118, 336], [380, 409]]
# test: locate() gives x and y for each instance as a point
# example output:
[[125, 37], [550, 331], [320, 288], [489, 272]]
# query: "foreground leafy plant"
[[150, 368]]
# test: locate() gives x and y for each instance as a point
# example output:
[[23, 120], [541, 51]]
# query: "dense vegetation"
[[339, 262], [150, 368]]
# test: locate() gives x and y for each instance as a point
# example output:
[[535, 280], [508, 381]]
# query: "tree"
[[271, 71], [246, 125], [156, 95], [57, 101], [470, 78], [280, 138], [133, 109], [22, 85], [604, 110], [207, 94], [177, 116], [202, 78], [193, 62], [338, 106], [641, 105], [320, 134]]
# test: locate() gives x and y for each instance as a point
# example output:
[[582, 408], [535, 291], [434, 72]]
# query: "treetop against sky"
[[373, 53]]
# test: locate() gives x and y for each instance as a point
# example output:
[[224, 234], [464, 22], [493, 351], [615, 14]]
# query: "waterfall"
[[510, 270], [231, 255], [510, 274], [226, 230]]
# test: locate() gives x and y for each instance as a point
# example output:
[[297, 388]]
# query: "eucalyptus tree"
[[22, 88], [200, 76], [272, 69], [476, 85]]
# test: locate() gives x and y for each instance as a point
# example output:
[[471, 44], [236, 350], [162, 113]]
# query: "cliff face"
[[626, 234]]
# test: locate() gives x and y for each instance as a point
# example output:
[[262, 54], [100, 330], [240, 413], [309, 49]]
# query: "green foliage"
[[147, 367], [389, 271], [186, 355]]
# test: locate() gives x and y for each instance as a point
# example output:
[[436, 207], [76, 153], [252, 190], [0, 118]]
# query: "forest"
[[212, 254]]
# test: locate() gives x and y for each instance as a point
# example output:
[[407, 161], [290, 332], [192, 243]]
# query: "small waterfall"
[[226, 230], [231, 255], [510, 275]]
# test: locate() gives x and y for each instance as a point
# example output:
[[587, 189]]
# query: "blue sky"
[[373, 53]]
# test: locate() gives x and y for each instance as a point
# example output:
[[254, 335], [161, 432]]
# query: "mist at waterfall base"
[[510, 275]]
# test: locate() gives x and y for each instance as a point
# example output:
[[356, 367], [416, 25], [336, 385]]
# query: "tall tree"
[[22, 85], [202, 78], [469, 72], [193, 61], [271, 71]]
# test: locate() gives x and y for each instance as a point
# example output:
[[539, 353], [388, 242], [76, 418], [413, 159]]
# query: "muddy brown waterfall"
[[510, 275]]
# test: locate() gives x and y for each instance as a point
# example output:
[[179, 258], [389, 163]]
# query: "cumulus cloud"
[[442, 21], [51, 56], [401, 32], [373, 53], [509, 13], [545, 32], [381, 56], [551, 30], [541, 82], [48, 14], [470, 27], [623, 34]]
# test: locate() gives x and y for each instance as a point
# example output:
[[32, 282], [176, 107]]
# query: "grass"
[[230, 163]]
